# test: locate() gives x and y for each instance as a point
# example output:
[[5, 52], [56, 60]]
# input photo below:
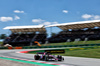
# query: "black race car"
[[48, 57]]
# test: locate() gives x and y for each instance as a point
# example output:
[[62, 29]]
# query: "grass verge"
[[73, 43], [90, 52]]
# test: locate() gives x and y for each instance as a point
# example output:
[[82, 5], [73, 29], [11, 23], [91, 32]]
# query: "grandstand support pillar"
[[51, 30], [16, 37], [31, 44]]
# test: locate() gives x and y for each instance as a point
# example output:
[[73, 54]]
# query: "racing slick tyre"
[[46, 58], [36, 57], [60, 58], [43, 58]]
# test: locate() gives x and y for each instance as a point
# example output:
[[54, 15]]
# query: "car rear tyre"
[[36, 57]]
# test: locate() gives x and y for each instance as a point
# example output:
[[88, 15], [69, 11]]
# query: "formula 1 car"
[[48, 57]]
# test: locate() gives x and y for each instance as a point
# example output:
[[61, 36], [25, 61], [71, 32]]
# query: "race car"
[[48, 57]]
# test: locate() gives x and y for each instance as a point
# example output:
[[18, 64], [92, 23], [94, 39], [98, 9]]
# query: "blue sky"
[[46, 12]]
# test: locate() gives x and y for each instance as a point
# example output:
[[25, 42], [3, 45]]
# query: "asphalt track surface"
[[71, 61]]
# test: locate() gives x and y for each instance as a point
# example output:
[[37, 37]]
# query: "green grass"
[[90, 53], [68, 43], [1, 42], [73, 43]]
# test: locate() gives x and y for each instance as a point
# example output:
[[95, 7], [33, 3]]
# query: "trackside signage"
[[55, 51]]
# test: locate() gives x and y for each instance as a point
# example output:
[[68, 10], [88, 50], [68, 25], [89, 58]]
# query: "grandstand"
[[25, 35], [83, 30]]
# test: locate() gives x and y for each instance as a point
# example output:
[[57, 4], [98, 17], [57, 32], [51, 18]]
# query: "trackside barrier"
[[57, 46], [3, 47], [18, 47], [10, 47], [68, 49]]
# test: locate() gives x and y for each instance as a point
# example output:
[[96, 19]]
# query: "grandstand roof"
[[77, 25], [33, 28]]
